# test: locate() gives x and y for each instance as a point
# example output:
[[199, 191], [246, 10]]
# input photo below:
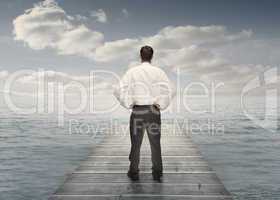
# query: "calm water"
[[36, 154], [246, 160]]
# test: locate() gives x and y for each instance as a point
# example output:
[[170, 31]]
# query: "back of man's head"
[[146, 53]]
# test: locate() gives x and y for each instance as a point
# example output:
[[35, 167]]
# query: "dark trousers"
[[145, 117]]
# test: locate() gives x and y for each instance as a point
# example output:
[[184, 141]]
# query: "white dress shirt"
[[144, 85]]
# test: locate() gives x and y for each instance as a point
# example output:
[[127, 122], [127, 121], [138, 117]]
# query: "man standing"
[[146, 90]]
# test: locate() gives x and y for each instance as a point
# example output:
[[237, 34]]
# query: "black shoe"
[[133, 176], [157, 176]]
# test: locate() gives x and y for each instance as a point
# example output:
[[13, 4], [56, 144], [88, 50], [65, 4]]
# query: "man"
[[147, 90]]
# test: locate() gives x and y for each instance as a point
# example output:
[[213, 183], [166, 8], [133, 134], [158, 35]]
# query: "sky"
[[133, 19], [219, 41]]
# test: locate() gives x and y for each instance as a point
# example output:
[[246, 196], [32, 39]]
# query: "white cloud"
[[3, 74], [57, 77], [125, 12], [27, 83], [81, 41], [99, 15], [47, 25], [119, 49], [190, 48], [50, 76], [198, 50], [81, 17], [170, 38], [192, 59], [181, 36]]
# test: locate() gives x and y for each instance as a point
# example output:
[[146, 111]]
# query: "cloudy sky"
[[221, 41]]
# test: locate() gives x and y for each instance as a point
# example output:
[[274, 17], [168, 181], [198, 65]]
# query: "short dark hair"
[[146, 53]]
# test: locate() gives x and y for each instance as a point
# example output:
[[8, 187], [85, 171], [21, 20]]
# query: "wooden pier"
[[103, 174]]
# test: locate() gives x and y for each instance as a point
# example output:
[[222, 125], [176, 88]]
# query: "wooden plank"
[[191, 152], [127, 139], [143, 159], [146, 148], [143, 163], [103, 174], [138, 188], [143, 169], [124, 165], [163, 140], [164, 157], [146, 153], [144, 178], [139, 197]]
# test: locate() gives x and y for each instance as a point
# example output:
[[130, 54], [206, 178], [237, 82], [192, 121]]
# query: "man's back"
[[146, 72], [145, 85]]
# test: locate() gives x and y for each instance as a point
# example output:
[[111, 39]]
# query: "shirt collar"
[[146, 63]]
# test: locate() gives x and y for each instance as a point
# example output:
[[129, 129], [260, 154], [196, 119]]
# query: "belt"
[[142, 106], [145, 106]]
